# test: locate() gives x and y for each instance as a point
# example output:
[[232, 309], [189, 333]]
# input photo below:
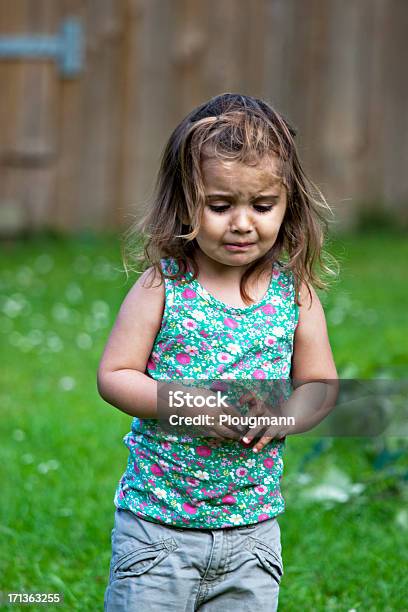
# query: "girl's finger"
[[252, 434], [262, 442], [278, 435]]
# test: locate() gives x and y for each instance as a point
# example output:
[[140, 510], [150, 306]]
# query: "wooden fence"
[[82, 152]]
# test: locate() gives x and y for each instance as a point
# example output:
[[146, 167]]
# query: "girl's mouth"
[[242, 246]]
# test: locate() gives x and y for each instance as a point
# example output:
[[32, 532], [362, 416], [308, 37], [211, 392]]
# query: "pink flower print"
[[151, 365], [203, 333], [231, 323], [203, 451], [273, 452], [136, 468], [166, 445], [183, 358], [189, 508], [270, 340], [258, 355], [268, 462], [276, 272], [189, 294], [276, 300], [194, 482], [224, 357], [259, 374], [261, 489], [268, 309], [220, 369], [229, 499], [241, 471], [262, 517], [189, 324], [156, 470]]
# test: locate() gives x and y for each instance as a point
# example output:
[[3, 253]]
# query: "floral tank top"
[[193, 482]]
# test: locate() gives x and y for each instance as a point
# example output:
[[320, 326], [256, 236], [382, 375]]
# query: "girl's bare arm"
[[312, 361], [121, 377], [312, 355]]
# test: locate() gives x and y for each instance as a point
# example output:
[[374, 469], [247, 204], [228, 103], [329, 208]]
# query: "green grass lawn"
[[61, 444]]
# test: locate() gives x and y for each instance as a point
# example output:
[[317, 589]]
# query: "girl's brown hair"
[[239, 128]]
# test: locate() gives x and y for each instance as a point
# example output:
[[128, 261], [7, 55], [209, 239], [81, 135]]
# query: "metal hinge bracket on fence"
[[66, 48]]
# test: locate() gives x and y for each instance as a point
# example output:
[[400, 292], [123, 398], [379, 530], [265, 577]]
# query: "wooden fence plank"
[[101, 114], [151, 99], [29, 152]]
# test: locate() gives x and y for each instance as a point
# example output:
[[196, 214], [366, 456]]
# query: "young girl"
[[233, 237]]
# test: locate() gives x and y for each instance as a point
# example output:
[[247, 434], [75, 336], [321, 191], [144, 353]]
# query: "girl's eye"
[[219, 209], [263, 209]]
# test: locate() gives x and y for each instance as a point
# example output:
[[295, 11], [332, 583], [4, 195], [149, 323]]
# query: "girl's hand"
[[261, 434]]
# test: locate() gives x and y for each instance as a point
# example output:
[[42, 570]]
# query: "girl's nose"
[[241, 221]]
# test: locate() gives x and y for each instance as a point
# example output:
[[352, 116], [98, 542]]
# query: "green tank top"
[[207, 483]]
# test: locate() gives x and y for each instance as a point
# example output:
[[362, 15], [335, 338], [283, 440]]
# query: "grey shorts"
[[156, 567]]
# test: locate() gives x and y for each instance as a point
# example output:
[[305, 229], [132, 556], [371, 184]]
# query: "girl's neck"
[[211, 269], [223, 282]]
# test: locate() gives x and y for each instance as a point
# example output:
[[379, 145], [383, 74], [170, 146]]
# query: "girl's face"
[[244, 210]]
